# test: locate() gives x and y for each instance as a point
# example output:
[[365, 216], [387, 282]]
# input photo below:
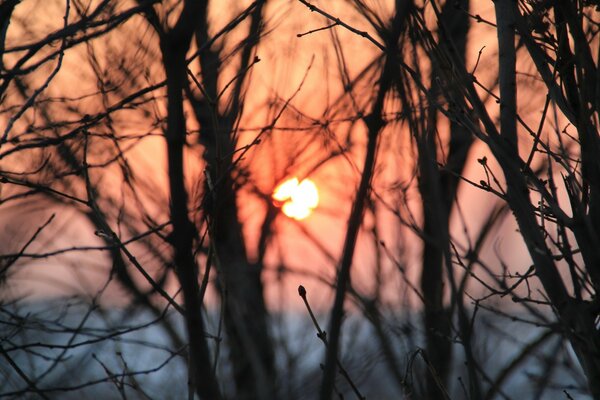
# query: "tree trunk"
[[174, 46], [438, 191], [246, 318], [576, 316]]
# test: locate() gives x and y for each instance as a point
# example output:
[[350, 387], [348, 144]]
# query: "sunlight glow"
[[296, 199]]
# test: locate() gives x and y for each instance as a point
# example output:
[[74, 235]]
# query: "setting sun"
[[296, 199]]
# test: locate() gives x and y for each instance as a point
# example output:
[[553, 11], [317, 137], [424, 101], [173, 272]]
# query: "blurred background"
[[146, 252]]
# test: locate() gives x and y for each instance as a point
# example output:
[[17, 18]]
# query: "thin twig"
[[321, 334]]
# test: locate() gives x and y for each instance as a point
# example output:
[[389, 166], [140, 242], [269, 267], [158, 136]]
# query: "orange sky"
[[287, 62]]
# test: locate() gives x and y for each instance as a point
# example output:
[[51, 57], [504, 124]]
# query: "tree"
[[152, 133]]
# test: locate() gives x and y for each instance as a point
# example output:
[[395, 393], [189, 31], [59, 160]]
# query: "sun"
[[296, 199]]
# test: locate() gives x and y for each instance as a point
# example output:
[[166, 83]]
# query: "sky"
[[304, 71]]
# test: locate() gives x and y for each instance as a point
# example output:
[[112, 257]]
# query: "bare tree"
[[140, 145]]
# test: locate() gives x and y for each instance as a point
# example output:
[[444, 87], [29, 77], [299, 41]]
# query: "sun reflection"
[[296, 199]]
